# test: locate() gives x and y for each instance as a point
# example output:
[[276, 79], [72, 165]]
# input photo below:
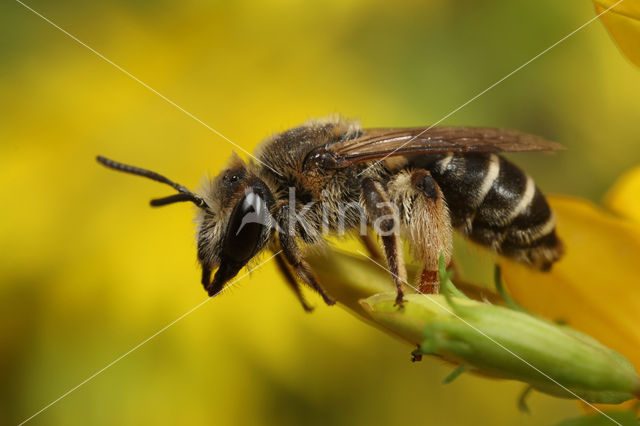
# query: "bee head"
[[234, 220], [236, 227]]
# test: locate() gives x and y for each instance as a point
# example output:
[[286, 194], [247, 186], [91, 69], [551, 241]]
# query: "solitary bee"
[[331, 176]]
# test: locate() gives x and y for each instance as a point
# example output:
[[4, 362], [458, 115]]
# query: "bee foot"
[[329, 301], [399, 302]]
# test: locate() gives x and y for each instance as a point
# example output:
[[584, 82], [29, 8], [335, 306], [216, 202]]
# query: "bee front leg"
[[292, 254], [291, 280], [384, 218]]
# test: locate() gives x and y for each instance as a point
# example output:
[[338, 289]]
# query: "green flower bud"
[[489, 339], [509, 344]]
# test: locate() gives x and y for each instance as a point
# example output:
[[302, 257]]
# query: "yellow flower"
[[623, 198], [623, 22], [596, 286]]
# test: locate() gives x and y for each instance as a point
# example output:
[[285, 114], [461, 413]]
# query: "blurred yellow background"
[[88, 270]]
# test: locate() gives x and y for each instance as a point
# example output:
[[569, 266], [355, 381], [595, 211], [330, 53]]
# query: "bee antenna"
[[184, 193], [177, 198]]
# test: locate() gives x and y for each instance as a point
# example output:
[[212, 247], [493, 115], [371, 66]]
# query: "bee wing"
[[382, 143]]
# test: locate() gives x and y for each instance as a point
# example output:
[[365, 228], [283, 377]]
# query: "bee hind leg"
[[429, 282], [436, 224], [426, 223]]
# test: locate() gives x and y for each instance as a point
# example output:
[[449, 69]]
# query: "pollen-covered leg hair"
[[385, 221], [291, 253], [425, 222]]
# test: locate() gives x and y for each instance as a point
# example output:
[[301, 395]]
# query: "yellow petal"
[[624, 198], [623, 23], [596, 286]]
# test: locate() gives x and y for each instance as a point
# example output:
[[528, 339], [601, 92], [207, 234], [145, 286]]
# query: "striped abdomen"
[[496, 204]]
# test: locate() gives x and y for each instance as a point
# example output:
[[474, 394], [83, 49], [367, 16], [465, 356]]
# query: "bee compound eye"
[[246, 224]]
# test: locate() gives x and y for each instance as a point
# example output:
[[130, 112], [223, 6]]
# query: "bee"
[[331, 176]]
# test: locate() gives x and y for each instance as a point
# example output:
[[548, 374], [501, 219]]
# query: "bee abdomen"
[[496, 204]]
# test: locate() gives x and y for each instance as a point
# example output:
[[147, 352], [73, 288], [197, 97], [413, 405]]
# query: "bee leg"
[[291, 253], [426, 223], [385, 220], [301, 267], [291, 280], [371, 245], [435, 227], [429, 282]]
